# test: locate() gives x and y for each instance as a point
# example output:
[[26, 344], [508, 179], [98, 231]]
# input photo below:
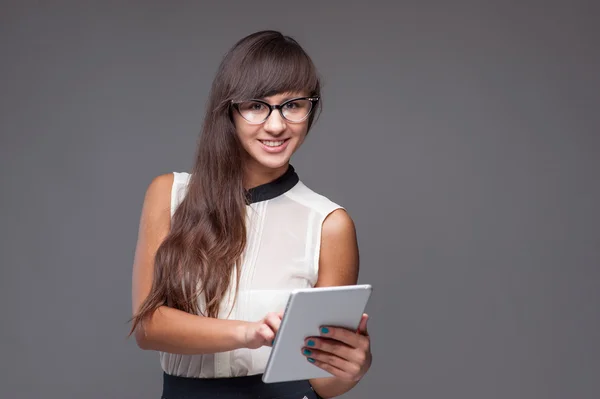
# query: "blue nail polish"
[[324, 330], [310, 342], [310, 359], [307, 352]]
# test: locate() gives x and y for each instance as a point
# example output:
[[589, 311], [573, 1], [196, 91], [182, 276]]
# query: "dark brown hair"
[[208, 231]]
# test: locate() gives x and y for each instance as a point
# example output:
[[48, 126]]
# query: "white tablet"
[[306, 311]]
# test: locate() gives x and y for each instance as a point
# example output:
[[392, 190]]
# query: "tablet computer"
[[306, 311]]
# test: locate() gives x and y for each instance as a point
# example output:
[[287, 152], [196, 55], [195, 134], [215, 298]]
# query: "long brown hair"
[[208, 232]]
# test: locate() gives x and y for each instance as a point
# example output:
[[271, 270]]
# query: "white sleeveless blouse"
[[283, 220]]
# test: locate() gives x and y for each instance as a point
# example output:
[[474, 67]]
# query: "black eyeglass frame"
[[279, 107]]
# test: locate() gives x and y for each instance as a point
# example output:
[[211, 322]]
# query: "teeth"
[[272, 143]]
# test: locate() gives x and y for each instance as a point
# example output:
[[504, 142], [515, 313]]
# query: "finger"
[[362, 327], [349, 337], [333, 347], [337, 366], [273, 321]]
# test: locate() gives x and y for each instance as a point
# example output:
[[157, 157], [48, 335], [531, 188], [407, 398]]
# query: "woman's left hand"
[[344, 353]]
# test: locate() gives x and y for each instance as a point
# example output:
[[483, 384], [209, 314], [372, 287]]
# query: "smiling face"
[[272, 69], [268, 146]]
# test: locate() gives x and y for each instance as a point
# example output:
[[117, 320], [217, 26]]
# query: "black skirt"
[[249, 387]]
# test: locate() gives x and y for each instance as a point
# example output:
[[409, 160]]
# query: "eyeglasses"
[[257, 111]]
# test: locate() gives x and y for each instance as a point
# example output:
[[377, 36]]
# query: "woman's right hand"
[[262, 332]]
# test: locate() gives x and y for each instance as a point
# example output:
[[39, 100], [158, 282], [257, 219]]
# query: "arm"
[[169, 329], [339, 265]]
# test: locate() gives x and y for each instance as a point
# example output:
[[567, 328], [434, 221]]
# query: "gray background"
[[463, 137]]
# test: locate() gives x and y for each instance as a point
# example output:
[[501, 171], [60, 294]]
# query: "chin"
[[272, 162]]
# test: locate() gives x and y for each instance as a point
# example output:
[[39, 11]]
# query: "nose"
[[275, 124]]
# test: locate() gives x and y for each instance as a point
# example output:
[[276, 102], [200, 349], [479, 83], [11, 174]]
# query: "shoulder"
[[338, 234], [159, 187], [155, 218], [158, 192], [168, 190], [164, 193], [339, 257], [339, 225], [337, 253], [160, 182]]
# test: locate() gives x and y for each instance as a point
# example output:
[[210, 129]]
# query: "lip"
[[275, 150]]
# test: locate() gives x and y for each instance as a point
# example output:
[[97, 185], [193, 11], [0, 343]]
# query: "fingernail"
[[307, 352], [310, 342], [324, 330], [272, 342], [310, 359]]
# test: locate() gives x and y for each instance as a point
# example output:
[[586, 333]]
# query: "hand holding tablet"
[[323, 333]]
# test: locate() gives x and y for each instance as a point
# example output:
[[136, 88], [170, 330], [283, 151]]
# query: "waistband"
[[246, 387]]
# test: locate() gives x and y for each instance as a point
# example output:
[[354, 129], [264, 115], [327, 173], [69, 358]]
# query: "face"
[[270, 145]]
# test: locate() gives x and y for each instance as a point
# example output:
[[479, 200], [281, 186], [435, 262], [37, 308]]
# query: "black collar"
[[273, 188]]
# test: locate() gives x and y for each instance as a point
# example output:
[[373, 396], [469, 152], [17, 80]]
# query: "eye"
[[252, 106], [292, 105], [256, 106]]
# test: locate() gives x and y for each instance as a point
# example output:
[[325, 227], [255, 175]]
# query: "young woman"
[[220, 249]]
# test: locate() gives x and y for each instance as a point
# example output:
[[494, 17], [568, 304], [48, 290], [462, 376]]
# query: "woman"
[[220, 249]]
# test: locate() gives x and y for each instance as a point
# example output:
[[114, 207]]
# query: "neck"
[[256, 174]]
